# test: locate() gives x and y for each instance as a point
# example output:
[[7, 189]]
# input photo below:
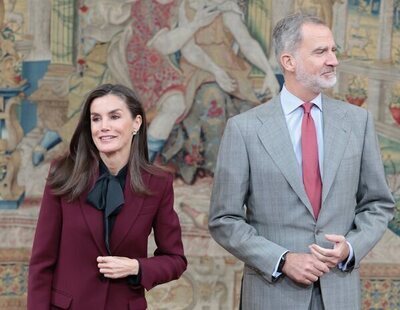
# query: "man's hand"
[[303, 268], [332, 257], [115, 267]]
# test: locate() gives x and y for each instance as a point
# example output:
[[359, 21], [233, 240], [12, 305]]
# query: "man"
[[301, 218]]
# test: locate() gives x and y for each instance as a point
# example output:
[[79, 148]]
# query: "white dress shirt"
[[293, 111]]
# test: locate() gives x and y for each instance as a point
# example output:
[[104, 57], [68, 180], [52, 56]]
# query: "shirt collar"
[[290, 102]]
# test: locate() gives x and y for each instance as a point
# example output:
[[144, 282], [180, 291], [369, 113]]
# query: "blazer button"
[[102, 278]]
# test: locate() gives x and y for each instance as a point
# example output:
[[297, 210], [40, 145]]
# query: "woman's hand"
[[115, 267]]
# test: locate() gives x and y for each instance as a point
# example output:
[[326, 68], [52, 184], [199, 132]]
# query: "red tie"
[[309, 148]]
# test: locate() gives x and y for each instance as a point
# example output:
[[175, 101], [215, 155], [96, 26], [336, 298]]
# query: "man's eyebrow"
[[324, 48]]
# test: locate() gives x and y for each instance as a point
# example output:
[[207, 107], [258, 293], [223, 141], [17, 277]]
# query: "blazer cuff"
[[135, 280]]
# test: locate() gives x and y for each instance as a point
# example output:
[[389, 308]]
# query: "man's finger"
[[335, 238]]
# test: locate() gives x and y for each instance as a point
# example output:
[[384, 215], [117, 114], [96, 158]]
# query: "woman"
[[100, 203]]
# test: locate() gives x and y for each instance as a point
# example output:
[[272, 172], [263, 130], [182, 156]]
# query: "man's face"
[[316, 58]]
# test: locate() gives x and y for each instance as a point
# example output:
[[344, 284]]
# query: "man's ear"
[[288, 62]]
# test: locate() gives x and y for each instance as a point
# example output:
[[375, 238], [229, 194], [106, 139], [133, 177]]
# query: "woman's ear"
[[137, 122]]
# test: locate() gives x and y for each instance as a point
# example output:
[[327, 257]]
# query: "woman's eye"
[[95, 119], [115, 116]]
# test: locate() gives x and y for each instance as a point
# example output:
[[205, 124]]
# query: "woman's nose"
[[104, 126]]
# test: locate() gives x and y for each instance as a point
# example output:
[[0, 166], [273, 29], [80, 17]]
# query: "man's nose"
[[332, 59]]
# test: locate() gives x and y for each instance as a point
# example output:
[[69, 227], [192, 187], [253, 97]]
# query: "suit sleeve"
[[375, 204], [168, 262], [44, 252], [227, 220]]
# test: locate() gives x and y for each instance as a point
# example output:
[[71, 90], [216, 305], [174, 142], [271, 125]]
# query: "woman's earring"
[[134, 132]]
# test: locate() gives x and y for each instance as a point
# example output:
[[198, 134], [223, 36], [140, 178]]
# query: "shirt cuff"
[[277, 274], [346, 265]]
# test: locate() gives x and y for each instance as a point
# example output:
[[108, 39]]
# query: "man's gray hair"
[[287, 35]]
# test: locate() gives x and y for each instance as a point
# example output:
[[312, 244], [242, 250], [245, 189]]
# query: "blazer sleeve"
[[375, 204], [44, 252], [168, 262]]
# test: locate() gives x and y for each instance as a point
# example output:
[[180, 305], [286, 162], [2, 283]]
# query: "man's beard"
[[315, 82]]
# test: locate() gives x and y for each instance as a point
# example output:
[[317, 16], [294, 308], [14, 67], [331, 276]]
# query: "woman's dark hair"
[[70, 176]]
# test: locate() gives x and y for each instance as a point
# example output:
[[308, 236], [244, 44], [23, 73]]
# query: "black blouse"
[[107, 195]]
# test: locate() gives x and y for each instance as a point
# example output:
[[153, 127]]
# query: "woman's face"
[[113, 127]]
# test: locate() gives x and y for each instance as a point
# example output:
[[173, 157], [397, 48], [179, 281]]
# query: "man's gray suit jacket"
[[259, 208]]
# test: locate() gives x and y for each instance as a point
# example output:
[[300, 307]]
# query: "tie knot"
[[307, 107]]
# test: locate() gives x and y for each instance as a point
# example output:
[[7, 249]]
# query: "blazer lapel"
[[336, 137], [95, 222], [275, 138], [129, 212]]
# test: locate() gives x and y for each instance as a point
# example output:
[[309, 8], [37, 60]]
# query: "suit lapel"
[[94, 220], [123, 222], [275, 138], [129, 212], [336, 137]]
